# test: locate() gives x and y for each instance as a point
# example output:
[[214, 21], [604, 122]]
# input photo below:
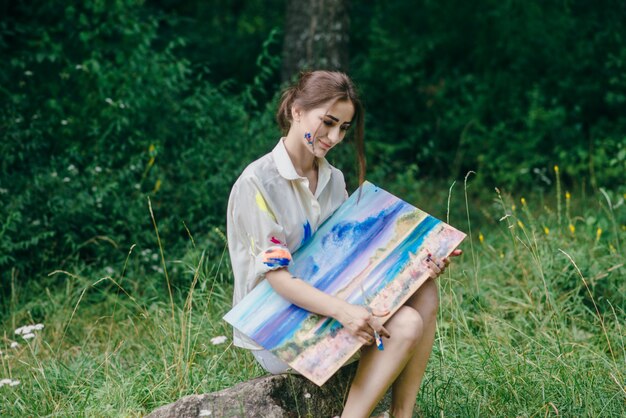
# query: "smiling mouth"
[[324, 144]]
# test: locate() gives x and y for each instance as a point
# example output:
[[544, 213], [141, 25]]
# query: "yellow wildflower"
[[157, 186], [546, 230], [481, 238], [523, 201], [612, 248], [598, 234], [513, 208], [556, 169], [520, 224], [623, 227], [501, 254], [568, 196], [151, 148], [572, 229]]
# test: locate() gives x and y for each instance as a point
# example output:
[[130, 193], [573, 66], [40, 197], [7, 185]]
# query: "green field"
[[532, 320]]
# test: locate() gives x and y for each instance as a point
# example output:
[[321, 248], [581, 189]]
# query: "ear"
[[296, 112]]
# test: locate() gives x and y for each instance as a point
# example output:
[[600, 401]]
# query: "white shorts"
[[271, 363]]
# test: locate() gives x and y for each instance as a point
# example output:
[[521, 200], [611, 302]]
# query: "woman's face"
[[330, 122]]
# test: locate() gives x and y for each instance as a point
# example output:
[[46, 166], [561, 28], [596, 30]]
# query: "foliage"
[[507, 89], [100, 118]]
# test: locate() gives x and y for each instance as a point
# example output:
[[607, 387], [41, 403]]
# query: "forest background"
[[123, 125]]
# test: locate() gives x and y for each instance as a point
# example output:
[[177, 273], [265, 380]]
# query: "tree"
[[316, 36]]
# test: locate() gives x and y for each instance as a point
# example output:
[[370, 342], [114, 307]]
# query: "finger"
[[366, 338], [380, 313], [456, 253], [434, 265], [446, 261], [382, 331]]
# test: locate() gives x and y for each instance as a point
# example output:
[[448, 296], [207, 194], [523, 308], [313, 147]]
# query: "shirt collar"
[[283, 162], [288, 171]]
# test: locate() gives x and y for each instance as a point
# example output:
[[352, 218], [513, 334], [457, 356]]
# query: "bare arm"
[[356, 319]]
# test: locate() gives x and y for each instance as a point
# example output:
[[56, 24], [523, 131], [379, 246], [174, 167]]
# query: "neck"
[[303, 160]]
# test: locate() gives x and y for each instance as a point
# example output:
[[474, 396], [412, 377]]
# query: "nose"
[[334, 135]]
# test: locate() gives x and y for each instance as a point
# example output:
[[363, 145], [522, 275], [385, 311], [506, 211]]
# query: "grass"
[[531, 321]]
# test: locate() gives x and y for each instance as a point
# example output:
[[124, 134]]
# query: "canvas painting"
[[361, 254]]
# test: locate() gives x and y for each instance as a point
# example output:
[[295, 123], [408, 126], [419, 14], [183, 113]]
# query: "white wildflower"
[[63, 122], [14, 383], [66, 179], [54, 174], [23, 330], [218, 340], [98, 169], [155, 257], [3, 191], [137, 186], [71, 167], [109, 101], [79, 67], [14, 344], [38, 327], [36, 222], [122, 105], [28, 336], [307, 395], [28, 73], [205, 413], [5, 382], [109, 270]]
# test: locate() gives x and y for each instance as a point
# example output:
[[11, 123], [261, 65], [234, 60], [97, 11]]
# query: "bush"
[[102, 117]]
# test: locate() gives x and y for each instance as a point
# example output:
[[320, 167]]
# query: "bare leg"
[[406, 386], [379, 369]]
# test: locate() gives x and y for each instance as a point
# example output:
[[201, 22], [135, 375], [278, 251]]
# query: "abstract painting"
[[366, 253]]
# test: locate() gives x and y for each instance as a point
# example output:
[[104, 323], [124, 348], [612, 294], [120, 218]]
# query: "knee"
[[406, 325], [429, 302]]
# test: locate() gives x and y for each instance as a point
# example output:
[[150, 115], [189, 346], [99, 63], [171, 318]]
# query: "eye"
[[345, 127], [328, 122]]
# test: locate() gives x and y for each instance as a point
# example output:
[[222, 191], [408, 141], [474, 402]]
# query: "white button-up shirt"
[[271, 213]]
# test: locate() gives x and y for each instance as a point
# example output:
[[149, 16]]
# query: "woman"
[[280, 200]]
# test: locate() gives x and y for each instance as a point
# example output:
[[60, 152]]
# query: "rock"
[[268, 397]]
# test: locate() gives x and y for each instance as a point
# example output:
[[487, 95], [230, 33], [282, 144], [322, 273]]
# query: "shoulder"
[[259, 176]]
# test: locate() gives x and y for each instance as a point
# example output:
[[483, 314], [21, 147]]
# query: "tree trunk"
[[316, 36]]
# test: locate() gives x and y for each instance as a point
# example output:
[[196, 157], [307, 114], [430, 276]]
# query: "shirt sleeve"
[[256, 224]]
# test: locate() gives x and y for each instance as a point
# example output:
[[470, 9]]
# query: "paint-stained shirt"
[[271, 213]]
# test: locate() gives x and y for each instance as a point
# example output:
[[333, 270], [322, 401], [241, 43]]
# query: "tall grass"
[[531, 321]]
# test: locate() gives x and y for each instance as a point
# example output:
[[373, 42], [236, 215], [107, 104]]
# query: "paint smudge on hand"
[[276, 257]]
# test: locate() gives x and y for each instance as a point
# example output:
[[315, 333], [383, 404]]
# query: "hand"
[[437, 266], [361, 322]]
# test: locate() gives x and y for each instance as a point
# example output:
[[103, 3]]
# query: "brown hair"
[[313, 89]]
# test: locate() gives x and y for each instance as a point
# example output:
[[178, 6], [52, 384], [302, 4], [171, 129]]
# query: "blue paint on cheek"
[[307, 232], [277, 262]]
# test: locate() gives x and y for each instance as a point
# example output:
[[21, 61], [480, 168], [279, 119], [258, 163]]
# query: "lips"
[[323, 144]]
